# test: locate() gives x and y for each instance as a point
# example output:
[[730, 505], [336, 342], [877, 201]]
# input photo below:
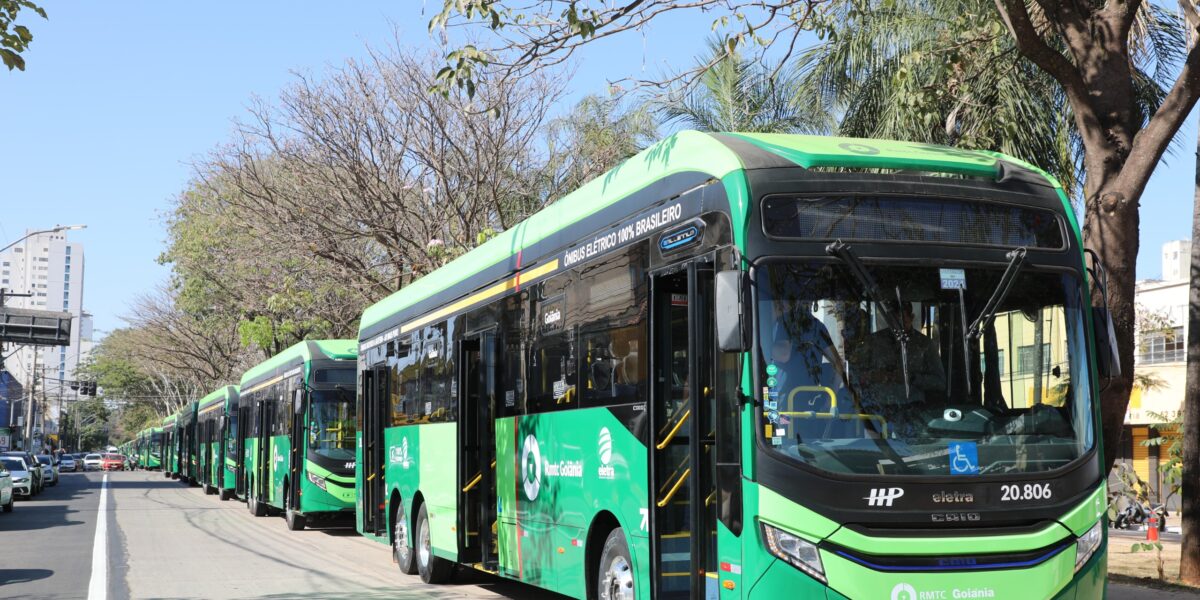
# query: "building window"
[[1163, 347], [67, 269], [67, 277], [68, 252], [1027, 358]]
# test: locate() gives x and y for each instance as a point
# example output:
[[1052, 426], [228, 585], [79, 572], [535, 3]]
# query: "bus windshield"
[[918, 382], [331, 429]]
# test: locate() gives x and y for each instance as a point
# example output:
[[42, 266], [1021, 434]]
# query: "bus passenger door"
[[298, 409], [239, 459], [477, 469], [265, 408], [683, 493], [374, 415]]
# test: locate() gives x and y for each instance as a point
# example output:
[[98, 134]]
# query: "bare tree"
[[368, 171]]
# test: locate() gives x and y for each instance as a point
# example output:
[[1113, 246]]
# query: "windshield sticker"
[[964, 458], [953, 279]]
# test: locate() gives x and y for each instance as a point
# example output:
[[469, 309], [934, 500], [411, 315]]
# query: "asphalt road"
[[163, 539]]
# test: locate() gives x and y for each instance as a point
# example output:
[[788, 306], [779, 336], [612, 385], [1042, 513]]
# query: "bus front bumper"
[[1054, 579]]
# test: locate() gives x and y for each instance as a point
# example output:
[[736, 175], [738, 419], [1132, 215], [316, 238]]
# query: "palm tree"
[[737, 94], [948, 72]]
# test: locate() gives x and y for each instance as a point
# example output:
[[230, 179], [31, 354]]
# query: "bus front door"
[[239, 461], [683, 493], [374, 412], [264, 410], [477, 438]]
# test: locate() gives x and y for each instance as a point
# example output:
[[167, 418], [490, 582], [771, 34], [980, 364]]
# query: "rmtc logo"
[[883, 496], [606, 470], [531, 467]]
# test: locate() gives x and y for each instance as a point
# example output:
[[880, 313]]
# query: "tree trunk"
[[1111, 230], [1189, 560]]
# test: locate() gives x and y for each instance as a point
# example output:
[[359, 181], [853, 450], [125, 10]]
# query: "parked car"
[[112, 462], [35, 471], [19, 472], [49, 471], [91, 462], [67, 462], [6, 489]]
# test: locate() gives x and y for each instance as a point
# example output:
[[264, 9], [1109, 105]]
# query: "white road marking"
[[98, 586]]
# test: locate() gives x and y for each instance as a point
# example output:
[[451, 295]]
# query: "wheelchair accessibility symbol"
[[964, 458]]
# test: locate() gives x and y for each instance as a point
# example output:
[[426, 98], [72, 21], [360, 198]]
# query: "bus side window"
[[613, 300], [511, 391], [552, 356], [436, 374], [402, 384]]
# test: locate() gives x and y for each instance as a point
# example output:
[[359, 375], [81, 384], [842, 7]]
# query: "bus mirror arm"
[[731, 298]]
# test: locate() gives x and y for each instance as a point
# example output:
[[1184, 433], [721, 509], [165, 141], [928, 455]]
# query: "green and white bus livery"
[[170, 447], [755, 366], [188, 444], [296, 415], [217, 441]]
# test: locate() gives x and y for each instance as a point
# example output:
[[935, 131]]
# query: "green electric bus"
[[216, 433], [189, 447], [752, 366], [149, 448], [296, 416], [170, 446]]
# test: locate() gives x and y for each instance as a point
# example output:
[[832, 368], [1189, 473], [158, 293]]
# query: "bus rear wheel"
[[614, 576], [401, 549], [257, 508], [295, 520], [224, 494], [433, 569]]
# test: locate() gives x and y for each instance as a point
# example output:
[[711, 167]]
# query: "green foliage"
[[85, 425], [738, 94], [1146, 547], [15, 39]]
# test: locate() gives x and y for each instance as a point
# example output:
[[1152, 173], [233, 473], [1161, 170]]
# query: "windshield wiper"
[[1016, 260], [841, 251]]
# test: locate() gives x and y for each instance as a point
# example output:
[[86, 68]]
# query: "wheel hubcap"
[[618, 580], [402, 548], [423, 549]]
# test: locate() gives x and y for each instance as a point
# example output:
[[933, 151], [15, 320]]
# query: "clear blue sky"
[[119, 97]]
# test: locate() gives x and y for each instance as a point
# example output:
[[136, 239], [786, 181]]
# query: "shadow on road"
[[8, 576]]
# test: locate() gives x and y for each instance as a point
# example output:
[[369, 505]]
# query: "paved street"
[[166, 540]]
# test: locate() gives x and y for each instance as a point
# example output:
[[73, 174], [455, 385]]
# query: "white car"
[[6, 489], [91, 462], [21, 478], [49, 471]]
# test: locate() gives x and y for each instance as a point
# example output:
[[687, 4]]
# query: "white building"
[[1160, 360], [51, 268]]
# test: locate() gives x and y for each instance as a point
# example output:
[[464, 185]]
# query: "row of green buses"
[[735, 366], [282, 440]]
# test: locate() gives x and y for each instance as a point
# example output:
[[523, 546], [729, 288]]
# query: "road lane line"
[[98, 586]]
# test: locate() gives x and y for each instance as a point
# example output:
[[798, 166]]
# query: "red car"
[[112, 462]]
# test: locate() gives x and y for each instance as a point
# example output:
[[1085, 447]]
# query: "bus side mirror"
[[731, 298], [298, 401], [1108, 359]]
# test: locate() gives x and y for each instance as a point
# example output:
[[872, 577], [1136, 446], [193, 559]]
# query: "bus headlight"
[[317, 481], [1087, 544], [795, 551]]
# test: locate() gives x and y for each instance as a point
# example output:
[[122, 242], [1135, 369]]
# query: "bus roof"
[[220, 395], [716, 155], [301, 353]]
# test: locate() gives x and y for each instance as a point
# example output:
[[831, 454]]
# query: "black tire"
[[224, 494], [295, 520], [433, 569], [402, 552], [615, 579], [8, 507], [258, 509]]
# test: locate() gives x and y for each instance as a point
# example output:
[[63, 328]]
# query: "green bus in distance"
[[753, 366], [170, 446], [216, 432], [296, 415]]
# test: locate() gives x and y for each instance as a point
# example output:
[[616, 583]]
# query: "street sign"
[[35, 327]]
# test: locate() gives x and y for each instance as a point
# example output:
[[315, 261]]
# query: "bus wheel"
[[224, 494], [433, 569], [401, 550], [295, 520], [257, 508], [615, 572]]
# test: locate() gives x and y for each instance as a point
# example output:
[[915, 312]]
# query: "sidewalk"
[[1134, 575]]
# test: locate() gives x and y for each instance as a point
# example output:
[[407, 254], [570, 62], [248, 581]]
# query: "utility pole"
[[29, 399]]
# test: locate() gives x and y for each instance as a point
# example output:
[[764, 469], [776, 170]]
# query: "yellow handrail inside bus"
[[674, 430], [674, 488]]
